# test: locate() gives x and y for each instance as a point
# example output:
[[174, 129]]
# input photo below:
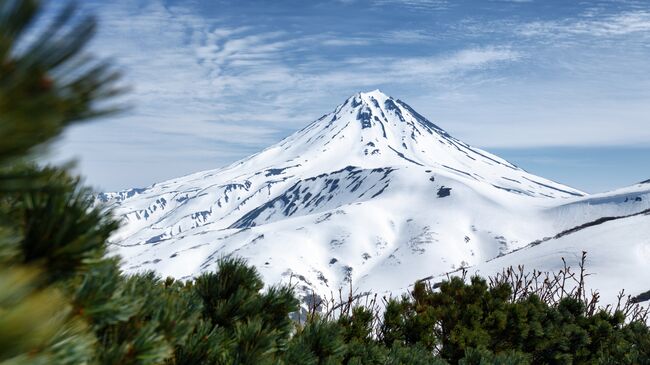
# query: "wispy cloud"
[[347, 41], [415, 4], [513, 1], [619, 24], [405, 36], [221, 73], [202, 82]]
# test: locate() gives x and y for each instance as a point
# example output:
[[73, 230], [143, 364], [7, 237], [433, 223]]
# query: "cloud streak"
[[221, 73], [612, 25], [201, 82]]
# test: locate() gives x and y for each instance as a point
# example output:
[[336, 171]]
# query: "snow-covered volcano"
[[372, 193]]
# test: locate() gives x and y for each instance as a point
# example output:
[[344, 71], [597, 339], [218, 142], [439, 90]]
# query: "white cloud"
[[202, 80], [347, 42], [415, 4], [200, 83], [182, 65], [405, 36], [619, 24]]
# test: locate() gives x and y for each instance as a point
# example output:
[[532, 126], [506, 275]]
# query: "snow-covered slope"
[[372, 193], [618, 253]]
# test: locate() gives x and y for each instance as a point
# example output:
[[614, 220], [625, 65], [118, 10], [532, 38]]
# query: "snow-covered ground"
[[618, 253], [376, 195]]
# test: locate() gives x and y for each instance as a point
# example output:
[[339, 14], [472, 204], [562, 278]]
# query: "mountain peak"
[[372, 98], [372, 186], [376, 93], [382, 117], [374, 130]]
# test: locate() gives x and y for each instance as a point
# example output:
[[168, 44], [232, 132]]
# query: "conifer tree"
[[246, 325], [45, 233]]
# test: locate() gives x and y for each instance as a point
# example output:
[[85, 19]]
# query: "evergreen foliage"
[[64, 300]]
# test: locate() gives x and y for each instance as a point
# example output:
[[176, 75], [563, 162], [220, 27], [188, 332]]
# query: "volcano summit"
[[372, 194]]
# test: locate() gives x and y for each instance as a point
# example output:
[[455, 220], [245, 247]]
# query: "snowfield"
[[375, 195]]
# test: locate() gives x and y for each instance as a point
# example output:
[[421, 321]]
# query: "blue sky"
[[560, 88]]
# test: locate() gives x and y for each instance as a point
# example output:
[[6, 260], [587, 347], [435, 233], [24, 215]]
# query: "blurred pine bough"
[[63, 301], [47, 237]]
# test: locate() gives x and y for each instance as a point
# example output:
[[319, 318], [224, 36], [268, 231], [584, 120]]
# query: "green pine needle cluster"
[[64, 300]]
